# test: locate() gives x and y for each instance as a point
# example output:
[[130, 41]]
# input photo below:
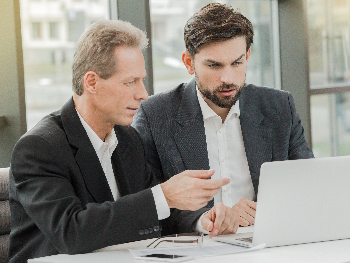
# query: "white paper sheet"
[[205, 251]]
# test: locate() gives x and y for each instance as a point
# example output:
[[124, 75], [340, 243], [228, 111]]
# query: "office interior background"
[[302, 46]]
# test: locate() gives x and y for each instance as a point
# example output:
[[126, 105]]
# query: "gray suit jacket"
[[172, 128], [60, 199]]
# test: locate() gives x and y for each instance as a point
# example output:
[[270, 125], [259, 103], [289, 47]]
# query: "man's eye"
[[236, 63], [130, 83], [213, 65]]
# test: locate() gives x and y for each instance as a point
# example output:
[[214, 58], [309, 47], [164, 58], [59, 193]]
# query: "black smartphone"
[[165, 258]]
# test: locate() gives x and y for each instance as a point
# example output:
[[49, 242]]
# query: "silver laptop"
[[300, 201]]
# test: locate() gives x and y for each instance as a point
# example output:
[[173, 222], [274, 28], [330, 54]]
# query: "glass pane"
[[320, 126], [329, 58], [36, 30], [329, 42], [330, 124], [168, 18], [50, 30], [53, 30]]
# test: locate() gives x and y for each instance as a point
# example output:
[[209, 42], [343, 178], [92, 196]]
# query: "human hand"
[[190, 190], [220, 220], [245, 210]]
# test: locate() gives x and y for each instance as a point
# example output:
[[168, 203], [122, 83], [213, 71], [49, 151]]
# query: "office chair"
[[5, 215]]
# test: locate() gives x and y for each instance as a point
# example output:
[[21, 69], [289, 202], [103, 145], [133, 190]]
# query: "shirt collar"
[[208, 112], [111, 139]]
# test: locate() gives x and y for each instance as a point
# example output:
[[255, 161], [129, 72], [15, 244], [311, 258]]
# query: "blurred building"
[[50, 28], [50, 31]]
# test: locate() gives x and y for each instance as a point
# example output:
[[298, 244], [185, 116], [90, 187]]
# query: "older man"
[[217, 121], [79, 179]]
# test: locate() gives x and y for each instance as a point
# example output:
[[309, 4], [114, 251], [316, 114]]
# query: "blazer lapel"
[[189, 131], [85, 156], [118, 166], [256, 135]]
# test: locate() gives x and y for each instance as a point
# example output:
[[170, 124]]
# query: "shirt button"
[[156, 229], [146, 231], [150, 230], [141, 232]]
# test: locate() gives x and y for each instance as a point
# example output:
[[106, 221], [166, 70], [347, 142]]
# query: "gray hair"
[[95, 49]]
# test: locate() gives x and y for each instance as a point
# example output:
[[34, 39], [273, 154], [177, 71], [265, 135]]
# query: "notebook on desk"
[[300, 201]]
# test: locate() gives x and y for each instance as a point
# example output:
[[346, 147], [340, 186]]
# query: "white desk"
[[331, 251]]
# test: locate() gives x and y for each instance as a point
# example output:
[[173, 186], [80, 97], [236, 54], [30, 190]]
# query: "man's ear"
[[188, 62], [248, 54], [90, 79]]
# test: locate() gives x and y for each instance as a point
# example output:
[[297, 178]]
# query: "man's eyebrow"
[[132, 77], [212, 61], [239, 57]]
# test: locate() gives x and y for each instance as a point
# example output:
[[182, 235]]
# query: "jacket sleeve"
[[141, 124], [45, 186], [298, 146], [179, 221]]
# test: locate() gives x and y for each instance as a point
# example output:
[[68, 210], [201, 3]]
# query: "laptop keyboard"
[[246, 239]]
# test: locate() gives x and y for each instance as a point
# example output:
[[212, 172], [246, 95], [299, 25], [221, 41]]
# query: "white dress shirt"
[[104, 151], [227, 154]]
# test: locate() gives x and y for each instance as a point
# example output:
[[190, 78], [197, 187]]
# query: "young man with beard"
[[217, 121]]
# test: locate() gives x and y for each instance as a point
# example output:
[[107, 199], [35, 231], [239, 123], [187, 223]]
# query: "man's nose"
[[141, 92], [227, 75]]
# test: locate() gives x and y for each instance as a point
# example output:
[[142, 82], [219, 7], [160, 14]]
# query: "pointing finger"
[[201, 174], [214, 183]]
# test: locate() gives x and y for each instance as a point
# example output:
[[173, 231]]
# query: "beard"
[[212, 95]]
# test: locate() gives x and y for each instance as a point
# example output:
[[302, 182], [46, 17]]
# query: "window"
[[36, 30], [53, 30], [329, 53], [47, 63]]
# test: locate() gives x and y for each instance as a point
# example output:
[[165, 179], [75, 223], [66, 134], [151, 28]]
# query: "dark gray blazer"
[[172, 128], [60, 199]]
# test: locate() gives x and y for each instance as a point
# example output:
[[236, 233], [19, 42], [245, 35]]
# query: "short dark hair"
[[216, 22]]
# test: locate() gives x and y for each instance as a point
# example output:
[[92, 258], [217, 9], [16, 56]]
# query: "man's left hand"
[[220, 220]]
